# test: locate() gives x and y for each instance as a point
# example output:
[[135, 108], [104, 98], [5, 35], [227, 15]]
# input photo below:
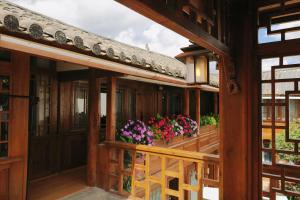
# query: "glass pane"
[[266, 91], [103, 107], [132, 105], [266, 115], [266, 66], [4, 102], [291, 60], [4, 81], [287, 73], [43, 106], [292, 35], [5, 55], [264, 37], [280, 141], [4, 131], [281, 88], [3, 150], [285, 25], [213, 73], [294, 116], [80, 107], [266, 158]]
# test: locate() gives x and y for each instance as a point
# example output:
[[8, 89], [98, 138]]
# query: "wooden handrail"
[[165, 151], [148, 167]]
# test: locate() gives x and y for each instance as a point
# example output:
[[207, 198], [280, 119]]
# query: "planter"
[[207, 128], [174, 141]]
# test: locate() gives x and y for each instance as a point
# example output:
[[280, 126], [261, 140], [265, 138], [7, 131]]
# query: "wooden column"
[[18, 122], [198, 107], [111, 109], [216, 103], [94, 127], [186, 106], [239, 117]]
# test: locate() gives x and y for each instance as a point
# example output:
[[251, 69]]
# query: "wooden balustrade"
[[139, 171]]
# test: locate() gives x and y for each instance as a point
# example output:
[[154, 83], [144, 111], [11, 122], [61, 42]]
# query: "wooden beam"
[[186, 106], [111, 109], [176, 21], [83, 74], [198, 107], [94, 128], [274, 49]]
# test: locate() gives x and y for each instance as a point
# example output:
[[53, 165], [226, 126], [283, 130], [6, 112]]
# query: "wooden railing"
[[139, 171]]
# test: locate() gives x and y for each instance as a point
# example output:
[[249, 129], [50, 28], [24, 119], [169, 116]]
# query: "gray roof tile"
[[18, 19]]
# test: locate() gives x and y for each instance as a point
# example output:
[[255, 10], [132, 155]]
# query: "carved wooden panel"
[[278, 32]]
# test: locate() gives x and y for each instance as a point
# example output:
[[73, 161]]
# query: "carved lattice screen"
[[279, 58]]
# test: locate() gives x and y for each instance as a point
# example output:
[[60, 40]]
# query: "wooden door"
[[44, 141], [73, 102]]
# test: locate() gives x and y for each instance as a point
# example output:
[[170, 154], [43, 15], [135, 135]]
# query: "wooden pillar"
[[111, 109], [94, 128], [216, 103], [18, 122], [198, 107], [186, 106]]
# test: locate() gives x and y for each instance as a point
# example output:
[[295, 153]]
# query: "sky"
[[110, 19], [264, 37]]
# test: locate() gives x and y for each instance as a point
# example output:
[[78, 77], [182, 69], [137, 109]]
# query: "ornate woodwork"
[[279, 27], [139, 170]]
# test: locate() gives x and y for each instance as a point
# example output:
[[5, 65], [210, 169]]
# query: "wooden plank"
[[94, 128]]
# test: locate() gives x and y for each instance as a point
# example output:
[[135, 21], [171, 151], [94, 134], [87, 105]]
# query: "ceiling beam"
[[177, 22]]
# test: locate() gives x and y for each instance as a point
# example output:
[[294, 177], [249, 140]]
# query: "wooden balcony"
[[174, 170]]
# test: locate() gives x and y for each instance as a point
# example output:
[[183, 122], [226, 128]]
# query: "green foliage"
[[209, 120], [288, 146], [127, 183]]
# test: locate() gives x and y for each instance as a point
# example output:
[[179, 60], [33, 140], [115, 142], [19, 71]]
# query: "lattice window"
[[4, 114], [278, 31]]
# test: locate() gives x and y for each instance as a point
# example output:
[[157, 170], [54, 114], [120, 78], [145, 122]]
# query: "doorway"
[[57, 131]]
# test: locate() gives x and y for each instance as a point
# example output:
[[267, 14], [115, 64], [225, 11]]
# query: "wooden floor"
[[58, 186]]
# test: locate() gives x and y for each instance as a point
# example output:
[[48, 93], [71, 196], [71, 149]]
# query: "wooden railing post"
[[111, 109], [198, 107], [186, 108], [93, 127]]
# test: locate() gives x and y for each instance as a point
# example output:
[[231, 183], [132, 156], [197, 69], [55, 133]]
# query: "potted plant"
[[189, 126], [162, 128], [136, 132]]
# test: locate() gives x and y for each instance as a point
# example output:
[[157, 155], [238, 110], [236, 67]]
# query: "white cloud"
[[110, 19]]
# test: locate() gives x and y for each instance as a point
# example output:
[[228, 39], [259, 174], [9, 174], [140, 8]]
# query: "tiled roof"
[[18, 19]]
